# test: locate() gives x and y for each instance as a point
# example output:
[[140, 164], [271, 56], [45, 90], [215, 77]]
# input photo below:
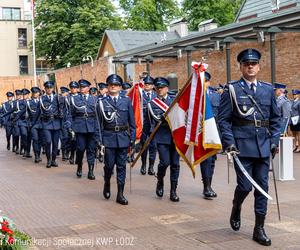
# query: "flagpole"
[[146, 144], [33, 43]]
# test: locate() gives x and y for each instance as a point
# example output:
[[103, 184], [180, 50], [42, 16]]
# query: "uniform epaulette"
[[232, 82], [267, 83]]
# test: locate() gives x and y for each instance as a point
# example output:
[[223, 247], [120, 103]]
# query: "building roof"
[[245, 29], [259, 8], [123, 40]]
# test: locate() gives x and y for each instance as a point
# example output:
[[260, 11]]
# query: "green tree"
[[223, 11], [68, 30], [149, 14]]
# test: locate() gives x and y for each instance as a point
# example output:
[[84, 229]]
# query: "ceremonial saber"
[[275, 186], [244, 171]]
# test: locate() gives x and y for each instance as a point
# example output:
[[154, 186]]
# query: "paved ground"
[[60, 211]]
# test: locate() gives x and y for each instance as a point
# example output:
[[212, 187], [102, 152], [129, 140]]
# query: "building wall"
[[287, 65], [97, 73], [9, 47]]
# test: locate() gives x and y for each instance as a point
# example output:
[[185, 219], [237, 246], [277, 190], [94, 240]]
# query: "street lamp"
[[88, 58]]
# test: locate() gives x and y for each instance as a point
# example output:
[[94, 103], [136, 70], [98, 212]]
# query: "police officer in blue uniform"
[[50, 114], [126, 87], [64, 92], [118, 134], [7, 121], [168, 155], [74, 89], [23, 121], [148, 95], [207, 167], [102, 89], [16, 129], [93, 91], [250, 124], [295, 120], [35, 124], [283, 104], [82, 120]]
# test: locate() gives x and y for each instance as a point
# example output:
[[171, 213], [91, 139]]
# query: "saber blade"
[[244, 171]]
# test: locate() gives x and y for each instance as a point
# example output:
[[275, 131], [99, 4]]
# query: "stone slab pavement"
[[60, 211]]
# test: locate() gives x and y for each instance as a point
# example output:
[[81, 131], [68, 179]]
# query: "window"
[[23, 65], [11, 13], [22, 38]]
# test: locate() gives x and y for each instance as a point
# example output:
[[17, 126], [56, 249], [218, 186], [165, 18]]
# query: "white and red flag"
[[192, 122]]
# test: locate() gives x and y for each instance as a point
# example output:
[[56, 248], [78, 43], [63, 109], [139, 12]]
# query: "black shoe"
[[48, 163], [151, 168], [28, 155], [214, 194], [259, 234], [208, 195], [14, 149], [54, 164], [160, 187], [8, 146], [71, 158], [91, 175], [173, 194], [37, 158], [79, 170], [120, 197], [235, 217], [143, 169], [106, 188]]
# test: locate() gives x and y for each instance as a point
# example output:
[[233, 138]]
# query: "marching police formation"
[[88, 123]]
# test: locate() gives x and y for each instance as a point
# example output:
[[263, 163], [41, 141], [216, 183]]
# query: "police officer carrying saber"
[[118, 134], [250, 124], [82, 120]]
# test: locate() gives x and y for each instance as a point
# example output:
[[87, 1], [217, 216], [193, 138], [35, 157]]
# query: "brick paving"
[[62, 212]]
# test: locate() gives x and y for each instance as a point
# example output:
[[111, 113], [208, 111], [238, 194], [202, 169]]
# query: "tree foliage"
[[223, 11], [149, 14], [68, 30]]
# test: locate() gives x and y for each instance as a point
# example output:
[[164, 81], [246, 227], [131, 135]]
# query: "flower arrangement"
[[10, 237]]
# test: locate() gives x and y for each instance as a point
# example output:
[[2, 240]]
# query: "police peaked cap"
[[9, 94], [160, 82], [126, 85], [114, 79], [84, 83], [73, 84], [148, 80], [279, 85], [93, 90], [18, 92], [295, 92], [25, 91], [249, 55], [35, 90], [64, 89], [102, 85], [49, 84], [207, 76]]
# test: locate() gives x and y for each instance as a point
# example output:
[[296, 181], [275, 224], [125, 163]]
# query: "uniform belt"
[[116, 128], [86, 115], [255, 123], [50, 117]]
